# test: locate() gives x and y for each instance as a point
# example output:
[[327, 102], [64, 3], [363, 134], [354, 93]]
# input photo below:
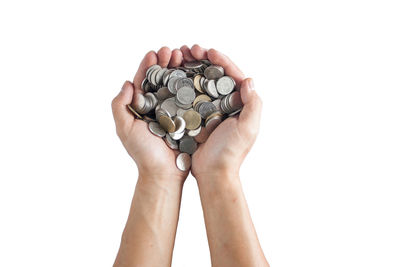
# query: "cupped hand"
[[152, 156], [227, 146]]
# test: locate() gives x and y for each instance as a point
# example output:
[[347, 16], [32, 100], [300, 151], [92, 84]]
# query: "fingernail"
[[251, 84]]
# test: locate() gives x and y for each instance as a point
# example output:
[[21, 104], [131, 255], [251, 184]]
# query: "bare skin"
[[149, 235]]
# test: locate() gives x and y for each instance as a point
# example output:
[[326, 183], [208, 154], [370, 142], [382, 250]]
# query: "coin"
[[180, 124], [183, 161], [206, 108], [213, 122], [167, 123], [134, 111], [156, 129], [178, 74], [138, 103], [187, 145], [171, 84], [214, 72], [193, 64], [163, 93], [194, 132], [196, 82], [171, 142], [211, 89], [225, 85], [184, 82], [170, 106], [192, 119], [204, 98], [185, 95]]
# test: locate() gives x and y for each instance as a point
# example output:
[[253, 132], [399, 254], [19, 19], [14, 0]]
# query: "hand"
[[151, 154], [227, 146]]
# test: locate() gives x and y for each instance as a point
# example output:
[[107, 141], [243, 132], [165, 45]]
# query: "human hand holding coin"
[[226, 147], [151, 154]]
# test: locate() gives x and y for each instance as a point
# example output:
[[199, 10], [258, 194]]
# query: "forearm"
[[231, 235], [149, 234]]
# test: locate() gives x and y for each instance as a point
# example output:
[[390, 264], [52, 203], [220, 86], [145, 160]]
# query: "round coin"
[[192, 119], [187, 145], [185, 95], [183, 162], [225, 85], [167, 123], [211, 89], [214, 72], [156, 129]]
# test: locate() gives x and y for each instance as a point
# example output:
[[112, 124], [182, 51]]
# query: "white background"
[[322, 181]]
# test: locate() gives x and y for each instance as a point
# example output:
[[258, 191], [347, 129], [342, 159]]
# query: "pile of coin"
[[184, 105]]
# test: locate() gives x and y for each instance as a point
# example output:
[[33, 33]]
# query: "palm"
[[222, 141], [150, 151]]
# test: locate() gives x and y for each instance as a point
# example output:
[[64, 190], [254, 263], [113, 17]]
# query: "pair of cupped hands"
[[225, 148]]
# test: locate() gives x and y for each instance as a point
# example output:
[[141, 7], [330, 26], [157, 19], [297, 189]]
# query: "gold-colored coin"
[[134, 112], [167, 123], [192, 119], [196, 82], [201, 98]]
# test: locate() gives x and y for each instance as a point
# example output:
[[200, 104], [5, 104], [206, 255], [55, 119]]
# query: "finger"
[[230, 68], [250, 115], [187, 55], [120, 111], [198, 52], [164, 55], [176, 58], [149, 59]]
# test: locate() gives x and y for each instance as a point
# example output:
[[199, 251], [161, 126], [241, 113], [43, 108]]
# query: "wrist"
[[218, 179], [164, 179]]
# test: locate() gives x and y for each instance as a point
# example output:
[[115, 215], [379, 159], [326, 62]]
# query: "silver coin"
[[160, 74], [186, 95], [138, 103], [180, 124], [214, 72], [163, 93], [235, 112], [172, 84], [193, 65], [176, 136], [169, 106], [153, 100], [211, 89], [194, 132], [187, 145], [180, 112], [217, 104], [235, 101], [183, 106], [166, 76], [171, 142], [225, 85], [156, 129], [151, 68], [184, 82], [206, 108], [183, 161], [178, 73], [153, 75]]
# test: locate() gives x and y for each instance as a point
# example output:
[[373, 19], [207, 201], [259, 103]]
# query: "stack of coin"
[[184, 105]]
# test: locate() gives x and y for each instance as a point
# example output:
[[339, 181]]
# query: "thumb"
[[120, 111], [249, 118]]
